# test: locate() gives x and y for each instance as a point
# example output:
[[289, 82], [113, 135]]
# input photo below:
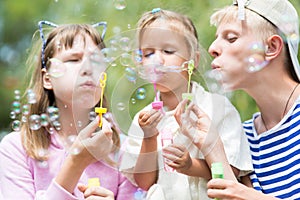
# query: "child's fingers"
[[172, 149], [98, 191], [180, 110], [89, 129], [106, 128]]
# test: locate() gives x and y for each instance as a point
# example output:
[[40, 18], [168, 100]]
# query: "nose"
[[157, 57], [86, 68], [213, 49]]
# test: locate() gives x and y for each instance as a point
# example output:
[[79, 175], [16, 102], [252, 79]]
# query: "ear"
[[274, 47], [46, 79], [197, 58]]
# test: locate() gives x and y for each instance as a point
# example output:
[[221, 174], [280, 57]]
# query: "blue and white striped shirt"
[[276, 156]]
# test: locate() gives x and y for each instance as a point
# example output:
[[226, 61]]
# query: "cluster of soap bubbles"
[[20, 114], [154, 70], [256, 61]]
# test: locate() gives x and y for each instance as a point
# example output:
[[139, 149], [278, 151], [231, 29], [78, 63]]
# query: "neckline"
[[284, 111], [258, 114]]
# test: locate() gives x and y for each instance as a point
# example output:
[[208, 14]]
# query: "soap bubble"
[[24, 118], [53, 113], [256, 61], [130, 74], [120, 4], [12, 115], [141, 93], [16, 125], [42, 164], [17, 94], [44, 120], [92, 115], [120, 106], [124, 43], [31, 97], [25, 109], [140, 194], [69, 145], [57, 68], [126, 60], [35, 122], [43, 152], [133, 100], [138, 56], [109, 54], [16, 107]]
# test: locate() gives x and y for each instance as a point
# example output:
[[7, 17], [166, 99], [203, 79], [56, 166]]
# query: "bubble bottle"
[[100, 110], [93, 182], [166, 140], [217, 171]]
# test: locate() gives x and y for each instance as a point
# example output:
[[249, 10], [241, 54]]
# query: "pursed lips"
[[88, 84], [215, 66]]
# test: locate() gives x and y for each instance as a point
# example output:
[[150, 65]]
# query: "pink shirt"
[[22, 177]]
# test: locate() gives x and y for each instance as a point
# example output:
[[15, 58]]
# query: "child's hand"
[[94, 145], [148, 121], [177, 157], [96, 192], [194, 123]]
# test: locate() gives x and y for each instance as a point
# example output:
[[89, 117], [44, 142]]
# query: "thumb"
[[179, 110], [90, 128], [81, 187], [106, 128]]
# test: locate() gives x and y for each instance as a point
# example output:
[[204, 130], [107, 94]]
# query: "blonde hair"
[[261, 27], [177, 22], [36, 140]]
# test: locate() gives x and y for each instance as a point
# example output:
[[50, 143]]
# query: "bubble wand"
[[100, 110], [190, 68], [157, 105]]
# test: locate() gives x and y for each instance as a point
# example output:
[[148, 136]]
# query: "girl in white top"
[[171, 39]]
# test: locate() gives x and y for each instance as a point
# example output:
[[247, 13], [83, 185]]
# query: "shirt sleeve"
[[234, 139], [16, 174], [54, 192]]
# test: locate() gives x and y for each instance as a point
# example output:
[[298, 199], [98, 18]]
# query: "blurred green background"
[[18, 24]]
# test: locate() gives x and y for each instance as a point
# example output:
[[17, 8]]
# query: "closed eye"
[[232, 39], [169, 51], [147, 54]]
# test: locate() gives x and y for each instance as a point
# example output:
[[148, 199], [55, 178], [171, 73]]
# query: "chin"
[[85, 103]]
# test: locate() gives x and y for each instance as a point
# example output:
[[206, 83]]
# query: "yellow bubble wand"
[[100, 110]]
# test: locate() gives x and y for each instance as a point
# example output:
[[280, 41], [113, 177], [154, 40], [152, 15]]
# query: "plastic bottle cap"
[[188, 96], [217, 170], [93, 182], [157, 105]]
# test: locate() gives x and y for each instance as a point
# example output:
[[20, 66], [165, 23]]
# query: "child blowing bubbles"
[[73, 50], [170, 39], [273, 133]]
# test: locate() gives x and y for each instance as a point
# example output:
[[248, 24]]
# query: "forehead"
[[80, 43], [159, 33]]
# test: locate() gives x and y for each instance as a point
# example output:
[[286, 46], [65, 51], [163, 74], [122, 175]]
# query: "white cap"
[[283, 15]]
